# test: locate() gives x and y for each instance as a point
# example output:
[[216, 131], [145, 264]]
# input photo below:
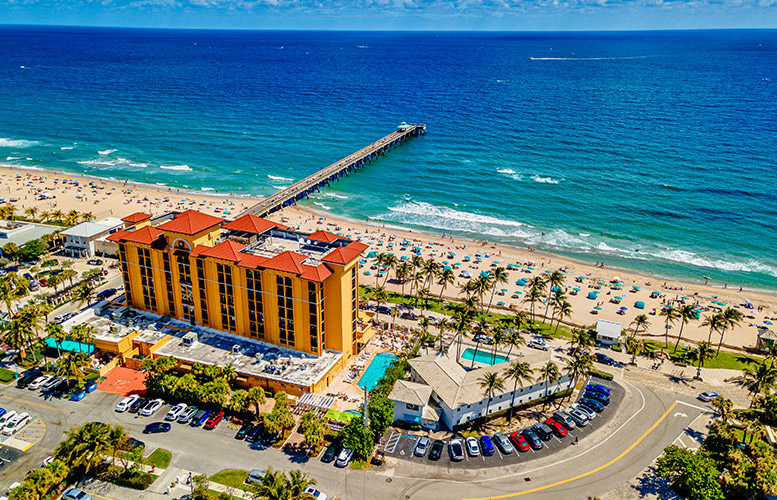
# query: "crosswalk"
[[30, 435]]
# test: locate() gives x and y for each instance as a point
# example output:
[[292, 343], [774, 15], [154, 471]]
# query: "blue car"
[[2, 412], [90, 386], [199, 418], [598, 388], [486, 445], [78, 395], [597, 396]]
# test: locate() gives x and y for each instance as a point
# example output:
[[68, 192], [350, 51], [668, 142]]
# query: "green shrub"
[[617, 348], [601, 374], [128, 478], [6, 375]]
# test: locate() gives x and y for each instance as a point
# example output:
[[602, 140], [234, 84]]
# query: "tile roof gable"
[[191, 222]]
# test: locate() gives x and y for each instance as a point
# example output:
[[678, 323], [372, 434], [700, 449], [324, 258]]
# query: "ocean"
[[653, 151]]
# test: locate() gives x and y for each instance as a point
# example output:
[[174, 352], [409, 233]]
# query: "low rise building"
[[608, 332], [82, 240]]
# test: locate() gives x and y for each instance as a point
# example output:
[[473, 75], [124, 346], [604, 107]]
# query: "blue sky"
[[508, 15]]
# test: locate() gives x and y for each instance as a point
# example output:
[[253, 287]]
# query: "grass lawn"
[[6, 376], [360, 465], [159, 458], [92, 375], [231, 477], [725, 359]]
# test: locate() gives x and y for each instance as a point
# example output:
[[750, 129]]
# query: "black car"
[[543, 431], [244, 430], [155, 427], [533, 439], [106, 293], [199, 418], [329, 454], [27, 378], [137, 405], [254, 434], [136, 443], [435, 452], [60, 389], [597, 396], [592, 404], [604, 359]]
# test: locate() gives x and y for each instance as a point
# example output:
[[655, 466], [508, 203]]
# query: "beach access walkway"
[[323, 177]]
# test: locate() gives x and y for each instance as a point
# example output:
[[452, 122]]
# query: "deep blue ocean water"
[[649, 150]]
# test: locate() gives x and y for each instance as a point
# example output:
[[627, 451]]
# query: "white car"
[[125, 403], [47, 460], [51, 383], [585, 411], [176, 411], [19, 421], [538, 344], [35, 384], [7, 418], [318, 495], [472, 447], [152, 407]]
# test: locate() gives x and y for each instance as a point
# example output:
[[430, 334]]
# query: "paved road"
[[646, 420]]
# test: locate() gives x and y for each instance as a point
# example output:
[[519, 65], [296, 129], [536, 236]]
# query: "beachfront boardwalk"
[[323, 177]]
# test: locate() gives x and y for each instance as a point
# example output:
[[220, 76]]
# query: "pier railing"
[[322, 178]]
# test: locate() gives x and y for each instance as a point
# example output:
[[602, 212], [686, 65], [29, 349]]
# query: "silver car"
[[421, 446]]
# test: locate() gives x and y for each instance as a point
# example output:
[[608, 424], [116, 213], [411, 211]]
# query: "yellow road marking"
[[99, 496], [41, 405], [33, 437], [585, 474]]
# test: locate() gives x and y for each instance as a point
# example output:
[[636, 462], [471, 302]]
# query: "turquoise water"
[[483, 357], [375, 371], [69, 345], [653, 151]]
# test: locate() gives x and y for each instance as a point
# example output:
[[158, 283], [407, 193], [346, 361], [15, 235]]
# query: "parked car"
[[329, 454], [409, 315], [455, 450], [213, 421], [199, 418], [473, 449], [136, 443], [538, 344], [75, 494], [94, 262], [6, 417], [90, 386], [317, 495], [61, 318], [383, 310], [588, 412], [255, 433], [176, 411], [519, 441], [77, 395], [564, 419], [138, 404], [597, 396], [152, 407], [245, 429], [38, 382], [543, 431], [27, 378], [533, 439], [106, 293], [255, 476], [435, 452], [51, 383], [503, 443], [580, 418], [421, 445], [2, 412], [487, 445], [598, 388], [187, 414], [708, 396], [604, 359], [594, 405], [125, 403], [155, 427], [344, 457], [558, 429], [483, 339], [13, 426]]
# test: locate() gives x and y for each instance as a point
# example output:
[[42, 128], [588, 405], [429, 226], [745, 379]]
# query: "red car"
[[519, 441], [213, 421], [558, 429]]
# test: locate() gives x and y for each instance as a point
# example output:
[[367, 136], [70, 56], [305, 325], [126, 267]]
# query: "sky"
[[468, 15]]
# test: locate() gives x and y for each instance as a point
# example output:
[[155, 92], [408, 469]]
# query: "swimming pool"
[[483, 357], [376, 370]]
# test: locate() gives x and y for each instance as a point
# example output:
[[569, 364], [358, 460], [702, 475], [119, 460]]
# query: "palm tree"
[[429, 271], [581, 340], [31, 211], [579, 366], [550, 374], [702, 354], [723, 407], [519, 372], [731, 319], [498, 277], [379, 259], [390, 261], [758, 379], [498, 336], [443, 324], [68, 274], [416, 280], [463, 325], [228, 372], [771, 351], [82, 333], [85, 446], [16, 335], [514, 339], [83, 294], [297, 483], [687, 313], [381, 297], [482, 329], [446, 278], [563, 310], [670, 315], [554, 279], [520, 318], [86, 216], [45, 216], [531, 297], [402, 272], [71, 219], [715, 323], [640, 321], [55, 331], [482, 285], [57, 215], [423, 324], [71, 366], [491, 383]]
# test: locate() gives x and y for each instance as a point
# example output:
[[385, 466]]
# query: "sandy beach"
[[50, 191]]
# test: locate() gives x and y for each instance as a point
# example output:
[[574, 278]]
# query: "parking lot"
[[403, 442]]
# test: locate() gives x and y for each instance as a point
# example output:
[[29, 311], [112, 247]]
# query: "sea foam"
[[279, 178], [16, 143], [180, 168], [107, 151]]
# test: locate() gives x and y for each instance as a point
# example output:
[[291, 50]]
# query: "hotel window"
[[185, 279], [226, 297], [411, 406], [354, 303], [147, 279], [255, 309], [125, 273], [314, 302], [169, 283], [201, 286], [285, 310]]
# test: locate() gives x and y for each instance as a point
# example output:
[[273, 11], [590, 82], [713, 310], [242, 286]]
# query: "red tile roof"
[[316, 273], [145, 235], [252, 261], [136, 217], [117, 236], [344, 255], [287, 261], [252, 224], [325, 236], [226, 250], [191, 222]]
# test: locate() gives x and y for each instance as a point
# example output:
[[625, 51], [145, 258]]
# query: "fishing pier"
[[313, 183]]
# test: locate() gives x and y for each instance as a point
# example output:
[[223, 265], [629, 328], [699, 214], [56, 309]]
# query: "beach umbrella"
[[624, 308], [635, 287], [404, 257], [504, 289], [531, 268], [685, 298], [576, 289], [446, 268], [592, 295], [457, 263], [581, 277], [367, 273], [500, 304], [519, 292], [721, 304], [616, 279], [639, 304], [372, 254], [600, 283], [445, 262], [768, 322], [484, 273], [598, 308], [548, 271], [555, 288]]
